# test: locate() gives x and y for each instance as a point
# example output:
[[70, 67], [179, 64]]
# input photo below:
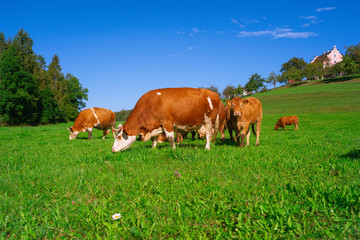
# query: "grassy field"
[[303, 184]]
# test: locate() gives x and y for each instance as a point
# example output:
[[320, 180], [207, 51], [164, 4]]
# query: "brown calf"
[[289, 120], [243, 113]]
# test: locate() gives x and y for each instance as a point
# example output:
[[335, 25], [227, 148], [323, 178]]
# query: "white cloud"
[[189, 49], [277, 33], [195, 30], [325, 9], [180, 32]]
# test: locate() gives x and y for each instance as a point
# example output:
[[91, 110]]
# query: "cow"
[[222, 117], [289, 120], [100, 118], [243, 113], [228, 121], [168, 110]]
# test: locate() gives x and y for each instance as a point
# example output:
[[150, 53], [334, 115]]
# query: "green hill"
[[322, 96]]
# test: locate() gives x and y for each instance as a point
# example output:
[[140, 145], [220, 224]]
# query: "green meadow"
[[295, 184]]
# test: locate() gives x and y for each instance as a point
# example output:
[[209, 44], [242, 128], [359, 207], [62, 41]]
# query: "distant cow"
[[166, 111], [100, 118], [243, 113], [289, 120]]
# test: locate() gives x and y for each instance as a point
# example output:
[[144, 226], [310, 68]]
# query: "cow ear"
[[120, 126], [228, 102], [246, 101], [70, 128]]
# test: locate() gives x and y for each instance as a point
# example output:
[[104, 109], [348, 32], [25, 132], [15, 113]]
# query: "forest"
[[32, 92]]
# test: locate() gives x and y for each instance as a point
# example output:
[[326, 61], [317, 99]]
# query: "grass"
[[295, 184]]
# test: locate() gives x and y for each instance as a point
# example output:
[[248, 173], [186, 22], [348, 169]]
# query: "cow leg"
[[258, 128], [244, 132], [90, 134], [296, 127], [154, 142], [208, 132], [248, 137], [105, 132], [169, 133]]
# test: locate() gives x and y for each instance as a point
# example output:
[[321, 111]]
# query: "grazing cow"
[[289, 120], [243, 113], [100, 118], [166, 111]]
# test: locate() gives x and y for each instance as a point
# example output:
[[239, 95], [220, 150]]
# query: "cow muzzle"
[[237, 114]]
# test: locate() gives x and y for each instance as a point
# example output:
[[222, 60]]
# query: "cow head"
[[237, 105], [122, 139], [73, 135], [276, 127]]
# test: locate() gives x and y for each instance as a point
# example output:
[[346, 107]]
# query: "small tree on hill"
[[255, 82], [273, 78]]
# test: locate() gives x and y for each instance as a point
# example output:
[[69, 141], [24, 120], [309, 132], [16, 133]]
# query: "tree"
[[3, 43], [40, 71], [19, 96], [314, 70], [292, 74], [293, 69], [298, 63], [27, 55], [75, 96], [239, 90], [229, 91], [354, 53], [255, 82], [273, 78], [50, 111]]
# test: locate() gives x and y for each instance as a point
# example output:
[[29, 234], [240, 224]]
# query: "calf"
[[100, 118], [243, 113], [289, 120]]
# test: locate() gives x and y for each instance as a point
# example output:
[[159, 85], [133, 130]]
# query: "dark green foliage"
[[32, 92], [122, 115], [24, 46], [19, 102], [50, 110], [354, 53], [295, 62], [255, 82]]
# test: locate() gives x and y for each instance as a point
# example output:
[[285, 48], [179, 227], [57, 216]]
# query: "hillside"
[[322, 96]]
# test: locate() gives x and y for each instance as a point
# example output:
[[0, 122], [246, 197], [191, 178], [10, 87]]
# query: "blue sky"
[[121, 49]]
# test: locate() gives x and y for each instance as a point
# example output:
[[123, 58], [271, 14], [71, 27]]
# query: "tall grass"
[[295, 184]]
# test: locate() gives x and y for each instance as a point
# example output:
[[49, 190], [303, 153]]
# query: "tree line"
[[32, 92], [297, 69]]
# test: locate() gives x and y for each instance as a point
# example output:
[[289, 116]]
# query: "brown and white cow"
[[99, 118], [168, 110], [222, 123], [243, 113], [289, 120]]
